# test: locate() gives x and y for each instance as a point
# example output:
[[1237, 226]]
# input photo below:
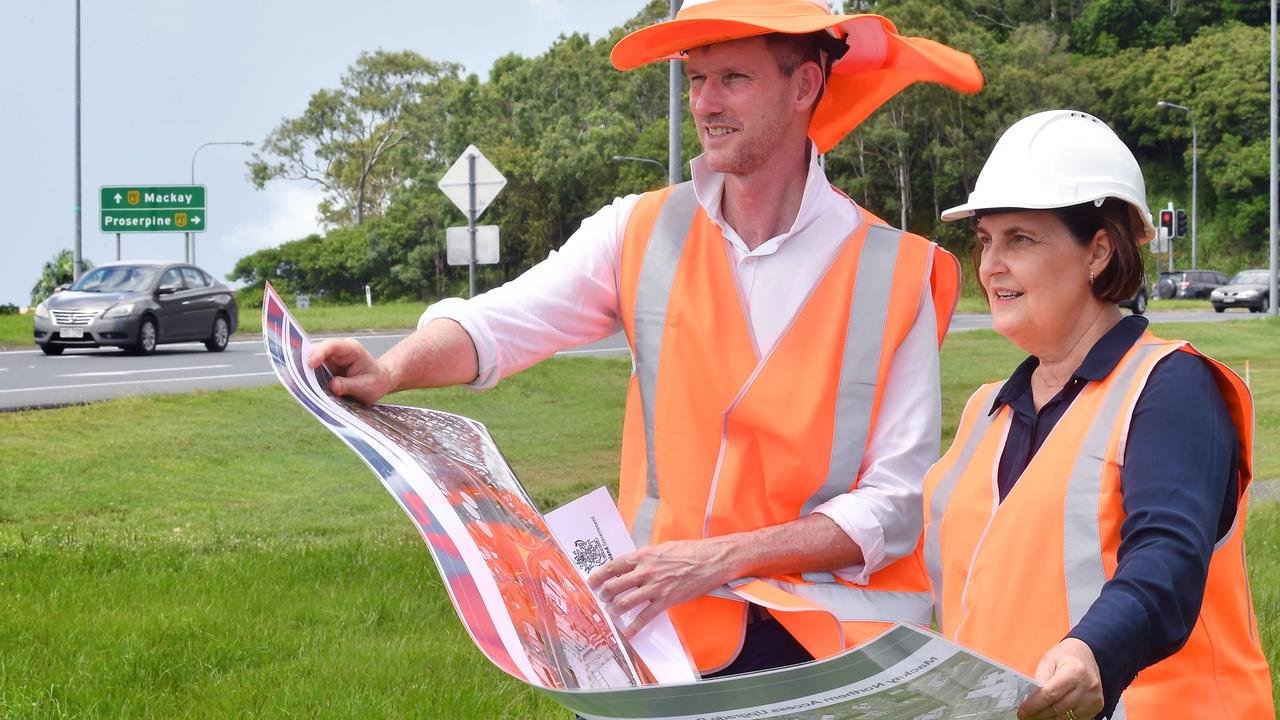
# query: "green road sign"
[[155, 208]]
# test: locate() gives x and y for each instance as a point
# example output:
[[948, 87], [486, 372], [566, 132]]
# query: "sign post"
[[151, 209], [471, 225], [472, 182]]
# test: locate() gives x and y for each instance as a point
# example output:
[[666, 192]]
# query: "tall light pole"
[[675, 173], [1194, 173], [77, 259], [189, 251], [1274, 299]]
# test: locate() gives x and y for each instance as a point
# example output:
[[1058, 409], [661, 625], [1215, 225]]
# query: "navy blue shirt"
[[1178, 486]]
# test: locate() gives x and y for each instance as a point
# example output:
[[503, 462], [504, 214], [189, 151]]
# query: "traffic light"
[[1166, 222], [1180, 223]]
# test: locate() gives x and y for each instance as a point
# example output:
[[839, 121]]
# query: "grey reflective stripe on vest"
[[851, 604], [859, 368], [942, 495], [1082, 537], [653, 292]]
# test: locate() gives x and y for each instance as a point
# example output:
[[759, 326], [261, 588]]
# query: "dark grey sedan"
[[136, 306], [1248, 289]]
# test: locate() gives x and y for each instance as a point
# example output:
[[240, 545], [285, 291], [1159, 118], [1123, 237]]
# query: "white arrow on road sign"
[[456, 183], [195, 219], [119, 197]]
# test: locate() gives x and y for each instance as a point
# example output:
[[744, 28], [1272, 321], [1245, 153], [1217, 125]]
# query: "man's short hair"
[[790, 51]]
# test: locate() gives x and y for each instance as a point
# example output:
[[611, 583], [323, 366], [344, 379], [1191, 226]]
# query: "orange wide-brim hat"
[[879, 63]]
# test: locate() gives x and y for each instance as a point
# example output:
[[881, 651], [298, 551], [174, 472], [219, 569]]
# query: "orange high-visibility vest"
[[717, 440], [1011, 578]]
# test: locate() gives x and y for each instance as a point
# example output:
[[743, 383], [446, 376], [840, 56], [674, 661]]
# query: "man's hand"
[[356, 373], [1069, 677], [662, 576]]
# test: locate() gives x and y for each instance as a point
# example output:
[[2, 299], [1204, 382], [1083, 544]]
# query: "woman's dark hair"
[[1124, 273]]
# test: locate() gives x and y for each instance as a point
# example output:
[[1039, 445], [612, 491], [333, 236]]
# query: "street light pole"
[[77, 257], [651, 161], [1274, 300], [189, 249], [675, 174], [1195, 156]]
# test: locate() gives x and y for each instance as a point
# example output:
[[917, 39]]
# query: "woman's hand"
[[1071, 688]]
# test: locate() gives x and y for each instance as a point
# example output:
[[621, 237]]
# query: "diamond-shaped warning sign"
[[456, 183]]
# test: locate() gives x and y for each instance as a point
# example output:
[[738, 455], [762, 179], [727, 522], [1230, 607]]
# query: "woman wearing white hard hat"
[[1084, 527]]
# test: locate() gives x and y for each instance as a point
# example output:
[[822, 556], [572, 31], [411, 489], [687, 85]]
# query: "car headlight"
[[42, 311], [119, 311], [1248, 294]]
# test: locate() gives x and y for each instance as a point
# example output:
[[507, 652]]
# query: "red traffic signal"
[[1166, 221]]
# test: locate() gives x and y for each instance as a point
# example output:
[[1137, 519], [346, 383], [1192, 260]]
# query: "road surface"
[[30, 379]]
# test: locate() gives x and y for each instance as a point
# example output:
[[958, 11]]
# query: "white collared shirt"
[[572, 298]]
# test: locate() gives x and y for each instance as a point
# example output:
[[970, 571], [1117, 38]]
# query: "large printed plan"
[[522, 595], [523, 602]]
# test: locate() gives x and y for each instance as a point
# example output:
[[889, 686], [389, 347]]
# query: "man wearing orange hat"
[[784, 404]]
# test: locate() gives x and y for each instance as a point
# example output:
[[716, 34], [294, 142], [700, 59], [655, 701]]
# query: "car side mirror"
[[166, 290]]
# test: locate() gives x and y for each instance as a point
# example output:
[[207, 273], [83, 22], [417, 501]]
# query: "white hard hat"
[[1054, 159]]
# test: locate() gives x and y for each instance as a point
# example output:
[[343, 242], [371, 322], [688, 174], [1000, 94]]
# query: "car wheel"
[[52, 349], [1140, 303], [1219, 308], [147, 337], [217, 342]]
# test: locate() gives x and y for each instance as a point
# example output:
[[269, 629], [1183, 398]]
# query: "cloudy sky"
[[161, 78]]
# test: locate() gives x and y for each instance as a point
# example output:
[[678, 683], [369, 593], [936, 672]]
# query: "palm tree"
[[54, 273]]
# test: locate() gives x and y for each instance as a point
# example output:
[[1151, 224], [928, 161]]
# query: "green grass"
[[1263, 551], [1157, 305], [334, 318], [977, 304], [16, 330], [222, 555]]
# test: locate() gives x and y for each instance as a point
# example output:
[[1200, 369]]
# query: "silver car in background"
[[137, 306]]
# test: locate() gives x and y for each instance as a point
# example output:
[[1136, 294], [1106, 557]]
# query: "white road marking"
[[109, 373], [136, 382]]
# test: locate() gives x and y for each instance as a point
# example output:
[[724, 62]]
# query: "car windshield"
[[1250, 277], [117, 278]]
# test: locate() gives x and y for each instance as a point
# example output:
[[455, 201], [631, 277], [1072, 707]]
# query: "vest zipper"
[[760, 363]]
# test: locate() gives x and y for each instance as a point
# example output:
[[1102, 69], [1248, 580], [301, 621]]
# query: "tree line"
[[379, 142]]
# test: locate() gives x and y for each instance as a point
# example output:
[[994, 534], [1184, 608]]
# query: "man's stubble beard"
[[747, 157]]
